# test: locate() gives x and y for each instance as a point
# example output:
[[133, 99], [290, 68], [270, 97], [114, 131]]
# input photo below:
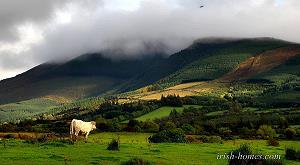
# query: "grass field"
[[163, 112], [18, 152]]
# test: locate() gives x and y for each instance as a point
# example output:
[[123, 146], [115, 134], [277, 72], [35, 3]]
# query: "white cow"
[[78, 126]]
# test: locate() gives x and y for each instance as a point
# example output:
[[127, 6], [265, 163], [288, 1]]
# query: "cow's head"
[[93, 125]]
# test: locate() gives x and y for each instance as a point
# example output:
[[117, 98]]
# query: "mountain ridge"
[[92, 74]]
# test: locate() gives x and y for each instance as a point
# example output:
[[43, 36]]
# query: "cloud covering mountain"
[[34, 31]]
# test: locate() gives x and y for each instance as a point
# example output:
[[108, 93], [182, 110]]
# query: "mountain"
[[229, 54], [265, 74], [85, 76], [94, 75]]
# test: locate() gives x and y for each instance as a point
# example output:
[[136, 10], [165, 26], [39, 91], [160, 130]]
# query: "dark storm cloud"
[[131, 28]]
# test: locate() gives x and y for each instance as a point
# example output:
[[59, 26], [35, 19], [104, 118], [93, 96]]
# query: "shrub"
[[171, 100], [113, 145], [225, 131], [290, 133], [45, 138], [292, 154], [188, 129], [168, 136], [150, 126], [210, 139], [199, 129], [169, 125], [192, 139], [273, 142], [9, 136], [266, 131], [245, 149], [246, 131], [137, 161], [134, 126]]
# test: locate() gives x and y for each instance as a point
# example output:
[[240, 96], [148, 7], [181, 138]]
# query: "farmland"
[[132, 145], [163, 112]]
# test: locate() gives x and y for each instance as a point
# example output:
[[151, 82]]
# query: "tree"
[[168, 125], [168, 136], [225, 131], [174, 114], [134, 126], [266, 131], [235, 107], [290, 133], [171, 100], [150, 126], [188, 129]]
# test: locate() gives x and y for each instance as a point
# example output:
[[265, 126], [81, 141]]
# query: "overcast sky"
[[37, 31]]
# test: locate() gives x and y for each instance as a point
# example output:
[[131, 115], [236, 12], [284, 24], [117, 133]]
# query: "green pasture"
[[18, 152], [163, 112]]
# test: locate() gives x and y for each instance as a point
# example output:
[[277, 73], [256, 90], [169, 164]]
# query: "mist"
[[33, 32]]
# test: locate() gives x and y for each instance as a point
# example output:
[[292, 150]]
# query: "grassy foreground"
[[132, 145]]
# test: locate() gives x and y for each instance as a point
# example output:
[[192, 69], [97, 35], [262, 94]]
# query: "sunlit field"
[[19, 152]]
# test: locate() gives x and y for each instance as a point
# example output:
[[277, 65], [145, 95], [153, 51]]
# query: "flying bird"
[[201, 6]]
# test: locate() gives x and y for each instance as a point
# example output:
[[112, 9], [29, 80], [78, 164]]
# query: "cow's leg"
[[86, 136], [71, 137], [76, 135]]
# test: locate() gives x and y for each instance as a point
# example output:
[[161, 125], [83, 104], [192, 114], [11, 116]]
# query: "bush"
[[292, 154], [210, 139], [188, 129], [168, 136], [45, 138], [273, 142], [171, 100], [137, 161], [225, 131], [169, 125], [134, 126], [245, 149], [150, 126], [113, 145], [192, 139], [290, 133], [9, 136], [266, 131]]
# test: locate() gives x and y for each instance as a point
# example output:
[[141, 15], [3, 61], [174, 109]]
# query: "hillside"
[[207, 67], [223, 60], [85, 76], [263, 62], [93, 74], [24, 109], [273, 71]]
